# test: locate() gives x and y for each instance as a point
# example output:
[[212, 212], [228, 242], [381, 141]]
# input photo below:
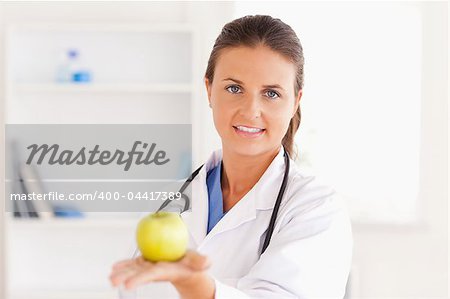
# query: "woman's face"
[[252, 98]]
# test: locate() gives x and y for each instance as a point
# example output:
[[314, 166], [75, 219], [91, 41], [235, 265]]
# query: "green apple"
[[162, 236]]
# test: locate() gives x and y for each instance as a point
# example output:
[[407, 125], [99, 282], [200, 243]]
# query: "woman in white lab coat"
[[254, 83]]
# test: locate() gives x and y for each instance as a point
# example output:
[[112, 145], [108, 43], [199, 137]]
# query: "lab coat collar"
[[261, 197]]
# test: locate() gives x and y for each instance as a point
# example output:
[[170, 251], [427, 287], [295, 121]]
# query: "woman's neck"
[[240, 173]]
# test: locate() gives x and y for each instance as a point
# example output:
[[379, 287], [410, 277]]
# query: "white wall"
[[410, 262]]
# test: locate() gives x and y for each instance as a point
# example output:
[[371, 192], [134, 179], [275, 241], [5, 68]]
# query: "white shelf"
[[83, 223], [100, 27], [67, 295], [99, 88]]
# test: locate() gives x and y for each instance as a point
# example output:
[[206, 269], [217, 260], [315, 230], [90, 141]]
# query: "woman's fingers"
[[123, 264], [125, 269], [159, 272], [138, 271], [119, 276]]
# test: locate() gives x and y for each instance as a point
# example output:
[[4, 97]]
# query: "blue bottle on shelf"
[[70, 70]]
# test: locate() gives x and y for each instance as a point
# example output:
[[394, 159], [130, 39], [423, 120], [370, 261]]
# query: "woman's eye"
[[233, 89], [272, 94]]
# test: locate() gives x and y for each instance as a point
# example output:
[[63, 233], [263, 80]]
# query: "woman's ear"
[[208, 90], [297, 101]]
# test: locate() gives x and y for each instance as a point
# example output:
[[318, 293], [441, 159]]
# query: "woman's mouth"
[[249, 132]]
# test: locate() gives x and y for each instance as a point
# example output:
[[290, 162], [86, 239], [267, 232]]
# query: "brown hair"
[[252, 31]]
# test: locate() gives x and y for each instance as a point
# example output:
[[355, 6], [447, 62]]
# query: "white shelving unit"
[[142, 74]]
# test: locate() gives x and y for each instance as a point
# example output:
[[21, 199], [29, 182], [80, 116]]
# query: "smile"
[[248, 131]]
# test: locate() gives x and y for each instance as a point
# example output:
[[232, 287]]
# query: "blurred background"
[[374, 124]]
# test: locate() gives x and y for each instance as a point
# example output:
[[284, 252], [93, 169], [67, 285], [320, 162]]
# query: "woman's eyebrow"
[[235, 80], [273, 86], [265, 86]]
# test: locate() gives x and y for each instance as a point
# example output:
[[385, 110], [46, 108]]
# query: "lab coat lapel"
[[242, 212]]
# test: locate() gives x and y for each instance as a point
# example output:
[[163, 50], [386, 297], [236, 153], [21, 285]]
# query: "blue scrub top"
[[215, 197]]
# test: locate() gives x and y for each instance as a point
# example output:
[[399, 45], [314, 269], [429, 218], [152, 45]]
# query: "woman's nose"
[[251, 107]]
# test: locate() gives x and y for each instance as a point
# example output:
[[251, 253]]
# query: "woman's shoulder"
[[305, 188], [310, 197]]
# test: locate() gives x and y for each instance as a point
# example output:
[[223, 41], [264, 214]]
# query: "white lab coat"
[[310, 252]]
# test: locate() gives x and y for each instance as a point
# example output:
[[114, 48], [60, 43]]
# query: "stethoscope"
[[276, 207]]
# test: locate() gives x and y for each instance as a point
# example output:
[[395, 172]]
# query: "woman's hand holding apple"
[[188, 275], [162, 239]]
